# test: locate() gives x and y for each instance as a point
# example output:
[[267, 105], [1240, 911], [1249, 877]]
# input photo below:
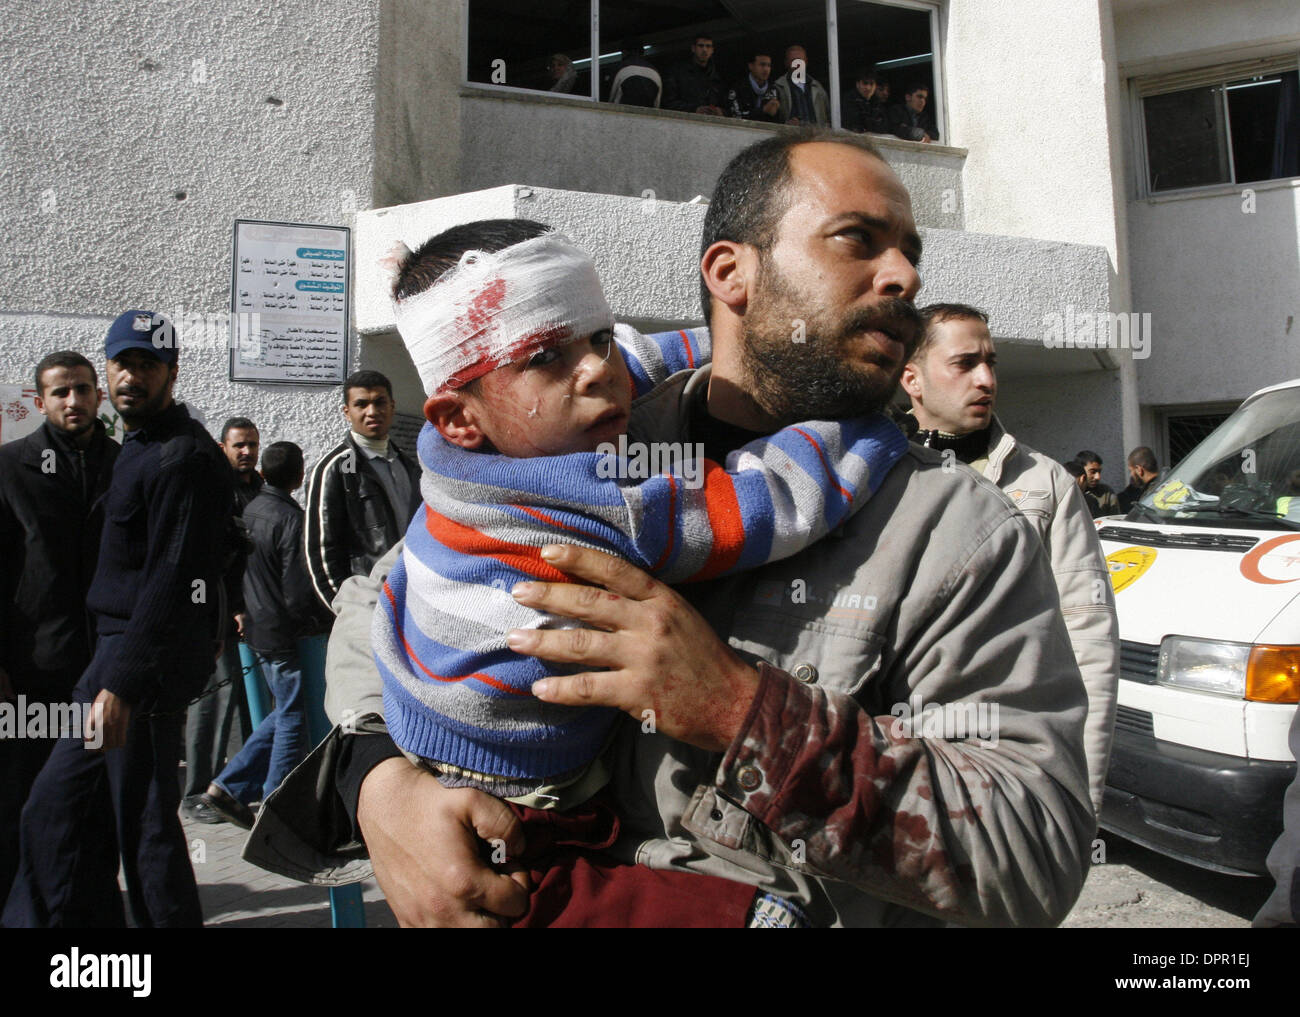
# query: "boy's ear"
[[455, 419]]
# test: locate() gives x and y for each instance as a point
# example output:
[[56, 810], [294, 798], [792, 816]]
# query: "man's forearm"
[[886, 814]]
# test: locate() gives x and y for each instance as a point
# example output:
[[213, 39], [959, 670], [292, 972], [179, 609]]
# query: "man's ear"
[[455, 419], [911, 382], [729, 269]]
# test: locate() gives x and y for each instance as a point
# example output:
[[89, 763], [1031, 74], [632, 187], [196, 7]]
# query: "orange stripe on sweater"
[[550, 520], [466, 540], [686, 341], [821, 454], [724, 519], [486, 679]]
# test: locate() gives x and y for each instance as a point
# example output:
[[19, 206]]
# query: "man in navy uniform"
[[155, 600]]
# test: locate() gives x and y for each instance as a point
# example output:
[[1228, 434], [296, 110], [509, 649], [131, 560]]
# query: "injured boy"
[[529, 397]]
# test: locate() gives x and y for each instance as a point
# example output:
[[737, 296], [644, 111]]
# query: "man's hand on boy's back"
[[661, 655], [447, 882]]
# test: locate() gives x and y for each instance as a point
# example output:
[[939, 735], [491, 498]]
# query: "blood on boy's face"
[[569, 398]]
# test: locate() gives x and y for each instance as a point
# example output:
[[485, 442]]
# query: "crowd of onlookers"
[[1143, 472], [696, 85]]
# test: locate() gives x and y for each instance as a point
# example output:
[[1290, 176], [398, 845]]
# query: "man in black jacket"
[[280, 607], [50, 483], [362, 493], [695, 86], [154, 599]]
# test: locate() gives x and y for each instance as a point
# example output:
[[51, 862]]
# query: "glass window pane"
[[541, 45], [1264, 119], [895, 44], [1186, 140]]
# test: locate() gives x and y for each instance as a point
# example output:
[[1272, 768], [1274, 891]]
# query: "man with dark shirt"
[[50, 483], [1143, 471], [695, 86], [154, 598], [859, 109], [909, 121], [209, 722], [754, 98]]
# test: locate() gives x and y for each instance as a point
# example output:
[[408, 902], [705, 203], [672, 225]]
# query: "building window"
[[1237, 129], [649, 54]]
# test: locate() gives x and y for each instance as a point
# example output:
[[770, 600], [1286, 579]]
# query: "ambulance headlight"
[[1204, 665]]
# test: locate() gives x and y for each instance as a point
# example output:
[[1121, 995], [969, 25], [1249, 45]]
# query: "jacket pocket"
[[827, 651]]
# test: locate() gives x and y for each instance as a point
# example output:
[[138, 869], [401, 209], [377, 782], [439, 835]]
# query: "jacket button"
[[749, 778], [716, 815], [805, 673]]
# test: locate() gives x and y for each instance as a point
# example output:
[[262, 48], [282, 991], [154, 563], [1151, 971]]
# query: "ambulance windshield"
[[1247, 470]]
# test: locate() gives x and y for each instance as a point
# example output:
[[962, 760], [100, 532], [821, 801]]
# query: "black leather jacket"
[[350, 523], [278, 596]]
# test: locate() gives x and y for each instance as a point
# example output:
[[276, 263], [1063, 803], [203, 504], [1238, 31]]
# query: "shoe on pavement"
[[230, 807], [196, 809]]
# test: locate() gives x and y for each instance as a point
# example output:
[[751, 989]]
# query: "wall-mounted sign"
[[289, 303]]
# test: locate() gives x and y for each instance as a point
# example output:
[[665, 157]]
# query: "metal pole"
[[347, 910]]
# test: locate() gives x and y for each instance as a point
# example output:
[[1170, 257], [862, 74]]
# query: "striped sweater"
[[454, 693]]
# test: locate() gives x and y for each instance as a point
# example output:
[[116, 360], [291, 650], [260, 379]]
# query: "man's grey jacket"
[[1051, 500], [863, 783]]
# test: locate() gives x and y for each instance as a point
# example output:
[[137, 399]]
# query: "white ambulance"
[[1206, 571]]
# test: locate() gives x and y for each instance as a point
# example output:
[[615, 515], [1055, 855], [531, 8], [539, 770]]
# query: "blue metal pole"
[[347, 910], [259, 696]]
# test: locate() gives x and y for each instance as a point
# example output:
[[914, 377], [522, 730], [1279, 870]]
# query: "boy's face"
[[569, 398]]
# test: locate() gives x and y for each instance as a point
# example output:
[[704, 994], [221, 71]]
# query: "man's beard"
[[816, 378], [142, 411]]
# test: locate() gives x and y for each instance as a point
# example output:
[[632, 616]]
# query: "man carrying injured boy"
[[527, 394]]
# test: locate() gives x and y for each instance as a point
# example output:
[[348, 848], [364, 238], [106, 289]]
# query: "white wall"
[[115, 109], [1222, 284]]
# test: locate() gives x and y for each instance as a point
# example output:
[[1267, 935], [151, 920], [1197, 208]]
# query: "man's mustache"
[[131, 390], [895, 315]]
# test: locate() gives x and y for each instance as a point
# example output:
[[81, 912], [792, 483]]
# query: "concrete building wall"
[[1170, 35], [610, 150], [1223, 289], [134, 134], [1219, 271]]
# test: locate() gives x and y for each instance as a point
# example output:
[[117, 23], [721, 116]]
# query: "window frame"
[[832, 46], [1213, 76]]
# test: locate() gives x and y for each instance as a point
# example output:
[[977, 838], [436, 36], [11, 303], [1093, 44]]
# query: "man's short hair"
[[756, 54], [1074, 468], [282, 465], [915, 86], [1144, 458], [236, 424], [701, 35], [366, 379], [753, 192], [67, 359], [936, 314], [1087, 456], [868, 74]]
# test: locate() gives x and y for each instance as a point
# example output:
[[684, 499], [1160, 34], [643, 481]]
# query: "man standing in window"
[[754, 98], [695, 85], [803, 100], [362, 493], [910, 121]]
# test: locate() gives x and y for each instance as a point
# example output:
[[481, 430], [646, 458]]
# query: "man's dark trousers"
[[210, 722], [67, 876]]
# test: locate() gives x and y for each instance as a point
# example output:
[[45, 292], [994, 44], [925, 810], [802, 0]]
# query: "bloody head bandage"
[[495, 308]]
